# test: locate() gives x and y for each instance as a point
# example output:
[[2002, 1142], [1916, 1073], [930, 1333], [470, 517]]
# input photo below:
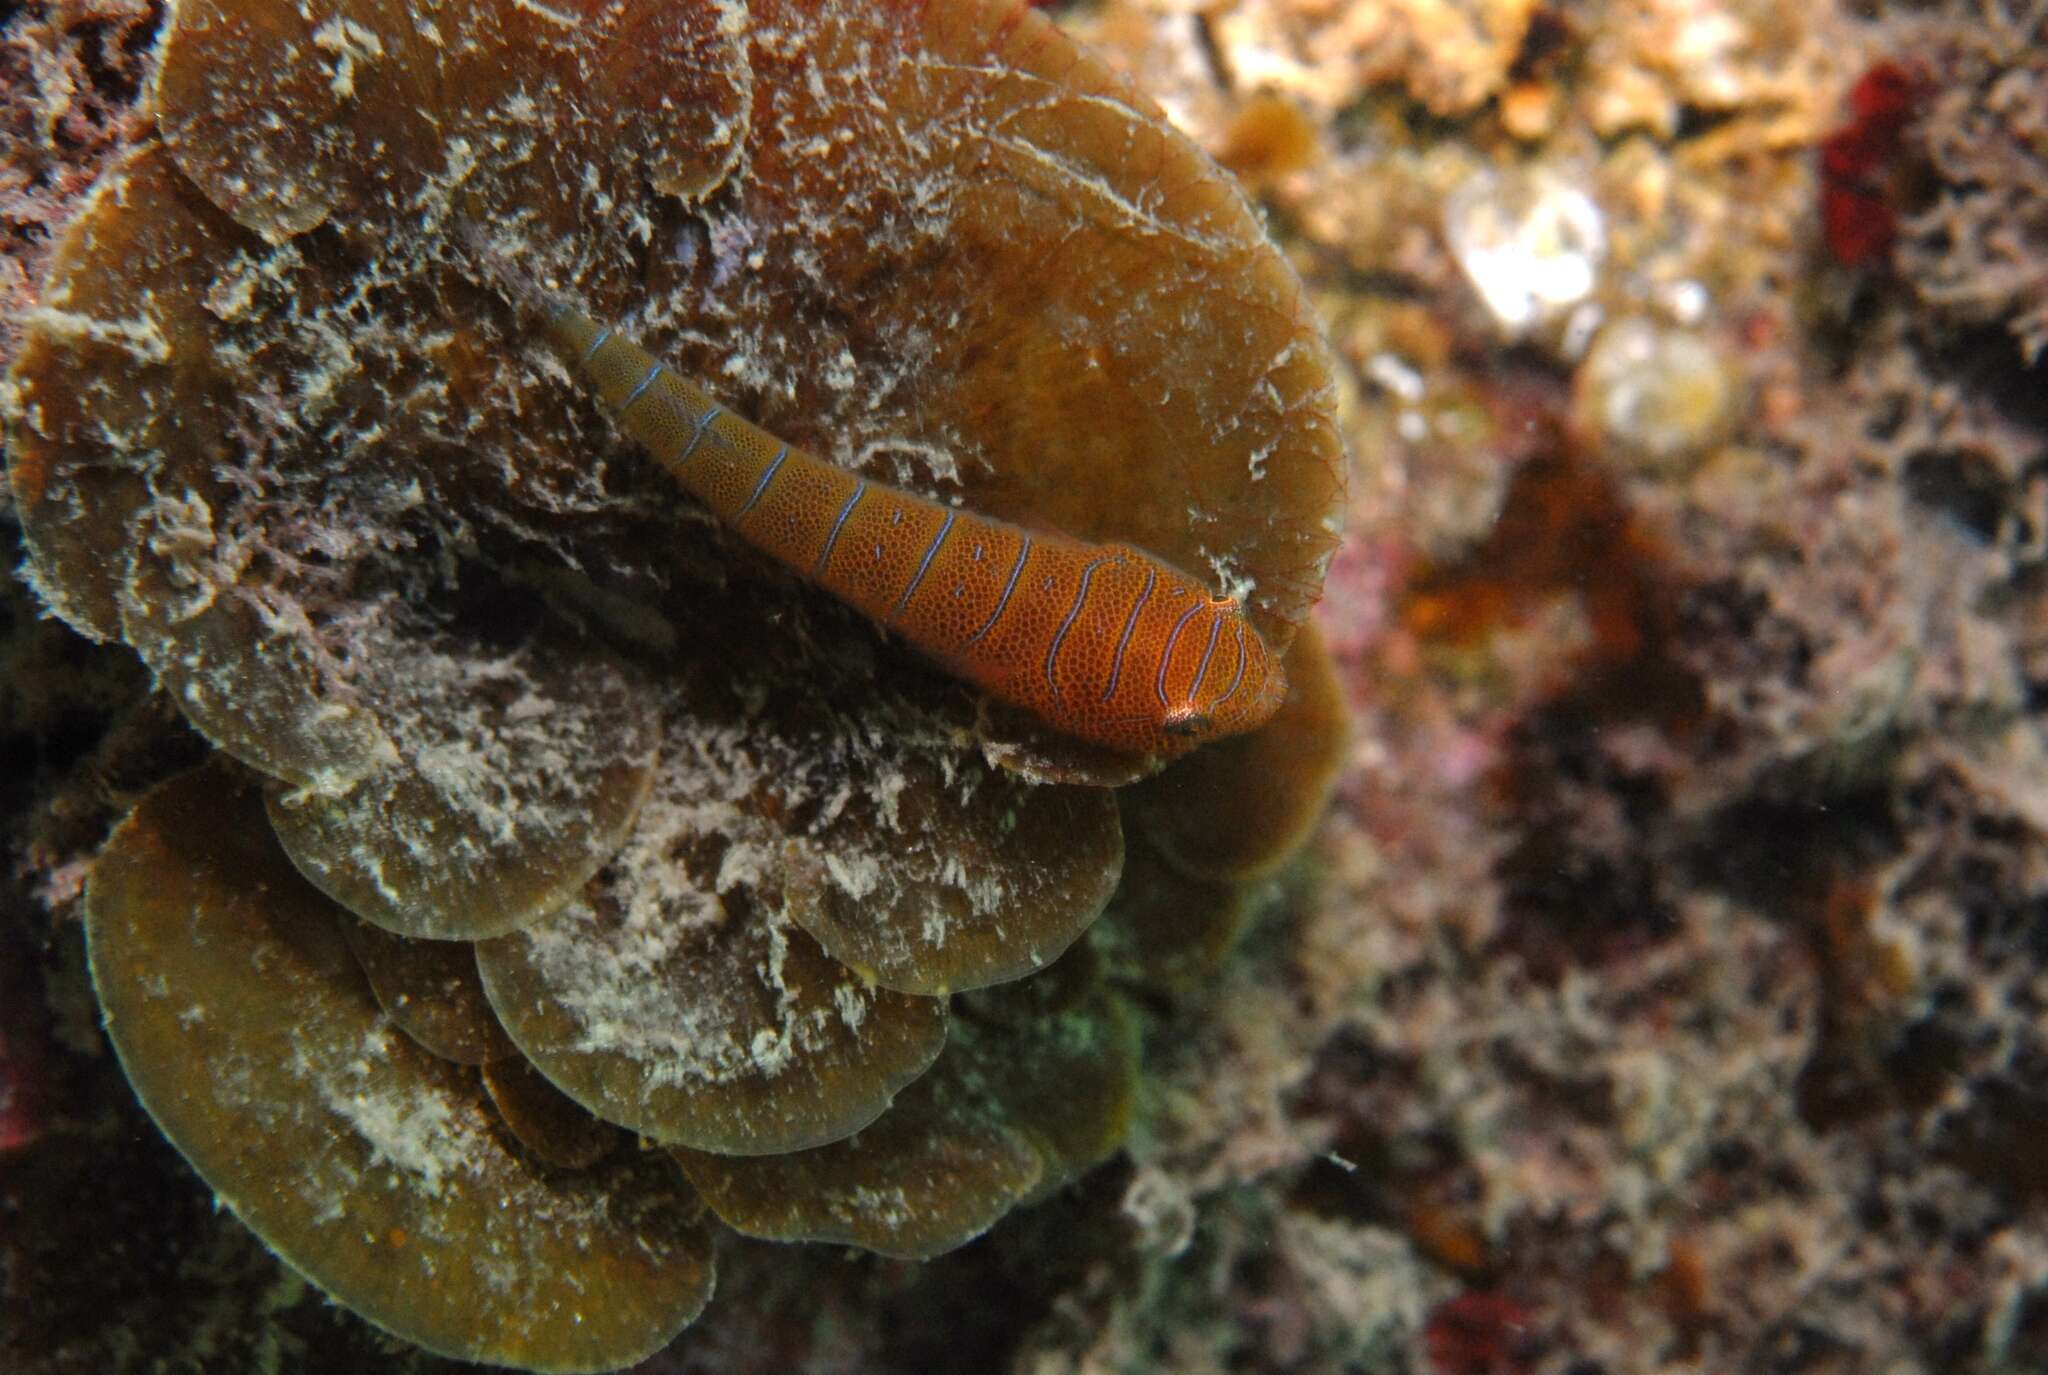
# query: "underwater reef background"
[[1667, 985]]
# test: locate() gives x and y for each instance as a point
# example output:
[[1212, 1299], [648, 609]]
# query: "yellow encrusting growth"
[[1102, 641]]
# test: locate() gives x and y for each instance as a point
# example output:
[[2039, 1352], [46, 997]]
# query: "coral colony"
[[566, 869]]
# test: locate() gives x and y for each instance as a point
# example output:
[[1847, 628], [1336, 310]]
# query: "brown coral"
[[375, 1166], [723, 850]]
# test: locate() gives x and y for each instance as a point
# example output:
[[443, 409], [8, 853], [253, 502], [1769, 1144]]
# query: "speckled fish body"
[[1101, 641]]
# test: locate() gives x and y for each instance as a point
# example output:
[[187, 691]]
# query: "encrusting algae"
[[544, 812]]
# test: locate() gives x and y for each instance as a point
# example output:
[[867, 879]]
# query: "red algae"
[[1862, 162], [1565, 532], [1480, 1333]]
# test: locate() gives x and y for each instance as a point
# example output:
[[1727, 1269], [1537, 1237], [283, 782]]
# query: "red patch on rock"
[[1479, 1333], [1859, 165]]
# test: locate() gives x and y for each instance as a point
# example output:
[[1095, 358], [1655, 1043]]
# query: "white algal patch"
[[179, 530], [416, 1130], [889, 1207], [349, 43], [852, 1006], [616, 971], [515, 747], [857, 876], [141, 337]]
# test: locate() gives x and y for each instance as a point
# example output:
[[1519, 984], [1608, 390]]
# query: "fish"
[[1100, 641]]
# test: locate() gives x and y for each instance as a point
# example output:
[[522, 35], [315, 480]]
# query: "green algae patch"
[[372, 1167], [1204, 832]]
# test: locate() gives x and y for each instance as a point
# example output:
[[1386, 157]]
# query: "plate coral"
[[567, 875]]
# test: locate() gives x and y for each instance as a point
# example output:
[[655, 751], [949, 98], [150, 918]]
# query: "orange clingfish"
[[1101, 641]]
